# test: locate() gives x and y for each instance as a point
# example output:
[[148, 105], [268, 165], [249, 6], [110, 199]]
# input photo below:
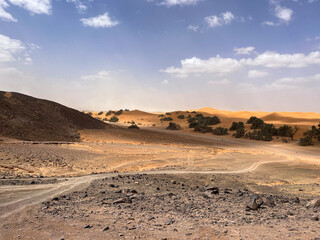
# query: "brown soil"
[[28, 118]]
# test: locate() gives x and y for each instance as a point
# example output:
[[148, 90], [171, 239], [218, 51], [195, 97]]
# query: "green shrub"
[[127, 110], [220, 131], [89, 113], [161, 115], [239, 133], [285, 131], [189, 116], [118, 112], [168, 113], [306, 141], [173, 126], [181, 116], [105, 119], [166, 119], [236, 126], [257, 123], [114, 119], [202, 128], [193, 112], [133, 126], [100, 113], [109, 113]]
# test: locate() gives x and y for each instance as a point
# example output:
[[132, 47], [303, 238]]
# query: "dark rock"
[[296, 200], [88, 226], [255, 202], [268, 201], [316, 218], [106, 228]]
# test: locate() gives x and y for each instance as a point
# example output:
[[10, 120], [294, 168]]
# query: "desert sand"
[[112, 182]]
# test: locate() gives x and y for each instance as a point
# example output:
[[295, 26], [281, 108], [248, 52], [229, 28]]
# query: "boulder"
[[255, 202]]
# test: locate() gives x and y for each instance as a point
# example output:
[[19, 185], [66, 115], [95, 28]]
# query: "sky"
[[163, 55]]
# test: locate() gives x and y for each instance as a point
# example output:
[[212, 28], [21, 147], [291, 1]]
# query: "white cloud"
[[81, 7], [101, 21], [170, 3], [5, 15], [283, 13], [257, 74], [193, 28], [34, 6], [216, 21], [222, 66], [9, 48], [244, 51], [215, 65], [276, 60]]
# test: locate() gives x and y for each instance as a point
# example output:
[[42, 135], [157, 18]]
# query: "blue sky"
[[161, 55]]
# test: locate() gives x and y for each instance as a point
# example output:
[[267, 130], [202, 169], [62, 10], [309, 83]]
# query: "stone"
[[255, 202], [314, 203]]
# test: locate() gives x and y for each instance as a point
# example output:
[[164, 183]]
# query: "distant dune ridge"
[[28, 118], [289, 117]]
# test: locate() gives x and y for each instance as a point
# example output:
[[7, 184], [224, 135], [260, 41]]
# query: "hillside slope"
[[27, 118]]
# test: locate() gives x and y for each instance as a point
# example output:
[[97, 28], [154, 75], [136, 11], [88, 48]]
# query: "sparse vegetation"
[[118, 112], [166, 119], [257, 123], [100, 113], [173, 126], [220, 131], [201, 123], [240, 132], [181, 116], [265, 134], [114, 119], [236, 125], [310, 135], [109, 113], [168, 113], [89, 113], [133, 126], [161, 115]]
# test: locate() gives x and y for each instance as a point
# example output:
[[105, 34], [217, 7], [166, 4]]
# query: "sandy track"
[[23, 196]]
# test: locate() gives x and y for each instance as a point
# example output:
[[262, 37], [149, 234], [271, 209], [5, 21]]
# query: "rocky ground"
[[188, 206]]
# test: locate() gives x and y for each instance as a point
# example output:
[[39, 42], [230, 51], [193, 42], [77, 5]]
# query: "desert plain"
[[67, 175]]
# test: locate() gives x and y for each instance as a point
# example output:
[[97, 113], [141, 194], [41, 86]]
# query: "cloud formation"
[[101, 21], [170, 3], [217, 21], [219, 65], [244, 50], [5, 15], [34, 6]]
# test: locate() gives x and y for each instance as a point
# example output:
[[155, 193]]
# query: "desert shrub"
[[210, 120], [118, 112], [114, 119], [173, 126], [168, 113], [193, 124], [109, 113], [161, 115], [105, 119], [89, 113], [236, 126], [199, 115], [192, 119], [240, 132], [189, 116], [166, 119], [306, 141], [100, 113], [99, 118], [181, 116], [202, 128], [133, 126], [193, 112], [220, 131], [257, 123], [285, 131], [126, 110]]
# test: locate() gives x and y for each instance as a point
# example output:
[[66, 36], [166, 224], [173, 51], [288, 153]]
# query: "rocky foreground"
[[173, 207]]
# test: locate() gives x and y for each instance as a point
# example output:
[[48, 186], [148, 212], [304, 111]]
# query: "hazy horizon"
[[163, 55]]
